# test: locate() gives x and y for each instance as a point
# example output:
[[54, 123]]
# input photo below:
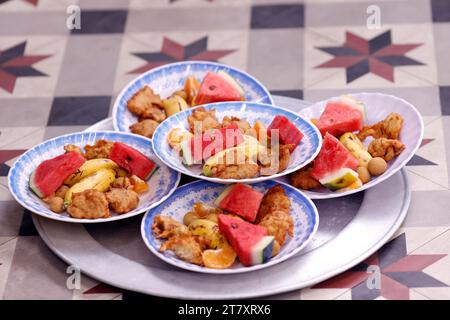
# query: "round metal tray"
[[351, 229]]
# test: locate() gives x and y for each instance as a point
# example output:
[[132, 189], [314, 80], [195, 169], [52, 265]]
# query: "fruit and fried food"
[[221, 258], [278, 224], [56, 204], [185, 246], [377, 166], [139, 185], [61, 191], [191, 87], [302, 179], [144, 127], [174, 104], [72, 147], [202, 120], [275, 199], [165, 227], [280, 163], [363, 174], [248, 169], [389, 128], [101, 149], [356, 148], [209, 230], [243, 125], [385, 148], [176, 136], [89, 204], [122, 200], [123, 183], [202, 209], [143, 102], [88, 168]]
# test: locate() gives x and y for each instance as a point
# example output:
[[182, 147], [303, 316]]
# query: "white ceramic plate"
[[161, 184], [378, 106], [303, 210]]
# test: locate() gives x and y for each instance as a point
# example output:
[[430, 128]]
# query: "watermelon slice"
[[328, 165], [340, 117], [203, 146], [50, 174], [288, 132], [251, 242], [240, 199], [132, 160], [216, 87]]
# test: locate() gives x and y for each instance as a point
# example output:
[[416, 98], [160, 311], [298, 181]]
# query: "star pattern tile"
[[32, 2], [14, 64], [172, 51], [417, 160], [378, 55], [398, 273]]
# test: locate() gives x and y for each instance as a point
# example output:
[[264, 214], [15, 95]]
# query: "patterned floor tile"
[[78, 111], [170, 4], [27, 228], [91, 289], [101, 4], [37, 23], [446, 128], [5, 239], [180, 18], [442, 50], [46, 272], [298, 94], [277, 16], [55, 131], [141, 51], [280, 71], [35, 5], [444, 93], [23, 112], [20, 137], [440, 10], [420, 183], [101, 22], [292, 295], [417, 237], [429, 209], [335, 58], [321, 294], [344, 13], [10, 218], [6, 255], [89, 65], [30, 65]]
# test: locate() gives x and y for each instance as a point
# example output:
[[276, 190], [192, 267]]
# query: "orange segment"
[[219, 259]]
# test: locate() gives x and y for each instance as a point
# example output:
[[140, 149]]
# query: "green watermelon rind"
[[33, 186], [331, 180], [262, 251], [223, 195]]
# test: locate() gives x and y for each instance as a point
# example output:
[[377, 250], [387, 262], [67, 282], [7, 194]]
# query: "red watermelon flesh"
[[250, 241], [288, 132], [338, 118], [215, 88], [51, 173], [240, 199], [203, 146], [332, 156], [132, 160]]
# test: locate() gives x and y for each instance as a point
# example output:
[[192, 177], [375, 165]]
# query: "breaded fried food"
[[186, 247], [278, 224], [302, 179], [144, 100], [243, 125], [248, 169], [385, 148], [165, 227], [275, 199], [122, 182], [202, 120], [389, 128], [122, 200], [144, 127], [72, 147], [101, 149], [277, 165], [89, 204], [154, 113]]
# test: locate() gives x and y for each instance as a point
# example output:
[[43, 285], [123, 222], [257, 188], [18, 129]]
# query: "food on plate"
[[240, 199], [350, 162], [387, 149], [50, 174], [233, 149], [152, 110], [377, 166], [242, 222], [89, 181]]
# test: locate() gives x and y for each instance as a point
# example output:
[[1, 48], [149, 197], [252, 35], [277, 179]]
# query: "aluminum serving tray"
[[351, 229]]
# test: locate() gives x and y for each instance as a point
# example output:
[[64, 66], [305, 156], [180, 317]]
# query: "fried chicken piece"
[[122, 182], [89, 204], [153, 113], [165, 227], [277, 165], [275, 199], [385, 148], [122, 200], [245, 170], [101, 149], [388, 128], [242, 124], [72, 147], [144, 128], [186, 247], [202, 120], [278, 224], [143, 100], [302, 179]]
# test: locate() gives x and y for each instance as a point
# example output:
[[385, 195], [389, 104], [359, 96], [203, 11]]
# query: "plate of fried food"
[[367, 137], [161, 92], [91, 177], [231, 142], [222, 229]]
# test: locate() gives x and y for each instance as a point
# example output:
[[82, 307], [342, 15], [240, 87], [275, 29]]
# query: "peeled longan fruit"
[[377, 166], [363, 174], [56, 204]]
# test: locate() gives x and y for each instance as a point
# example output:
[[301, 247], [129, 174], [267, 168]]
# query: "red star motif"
[[172, 51], [32, 2]]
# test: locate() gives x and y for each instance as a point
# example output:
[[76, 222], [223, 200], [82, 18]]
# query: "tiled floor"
[[54, 81]]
